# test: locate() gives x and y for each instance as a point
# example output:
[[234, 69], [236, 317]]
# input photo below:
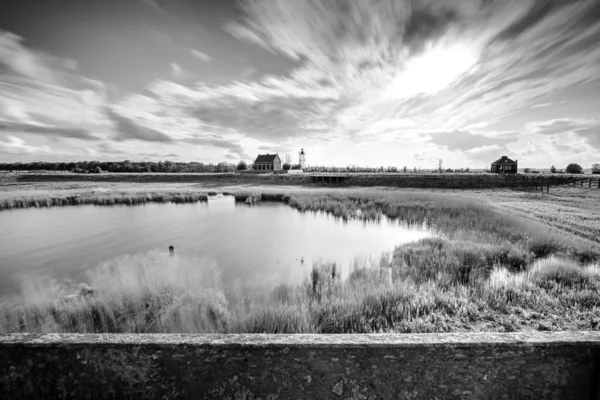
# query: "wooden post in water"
[[171, 250]]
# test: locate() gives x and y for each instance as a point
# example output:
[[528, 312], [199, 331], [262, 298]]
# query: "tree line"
[[120, 166], [128, 166]]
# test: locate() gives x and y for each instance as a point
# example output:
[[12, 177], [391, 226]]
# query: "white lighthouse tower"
[[302, 160]]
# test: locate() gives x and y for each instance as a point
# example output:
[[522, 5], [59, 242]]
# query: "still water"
[[253, 247]]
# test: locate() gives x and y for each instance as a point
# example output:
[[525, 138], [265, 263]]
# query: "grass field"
[[502, 260]]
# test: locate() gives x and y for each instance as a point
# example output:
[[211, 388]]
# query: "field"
[[502, 260]]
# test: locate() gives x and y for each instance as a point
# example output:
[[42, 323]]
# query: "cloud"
[[233, 147], [555, 126], [26, 63], [128, 129], [176, 70], [542, 105], [487, 154], [587, 129], [42, 94], [591, 134], [464, 141], [200, 55], [16, 146], [48, 130]]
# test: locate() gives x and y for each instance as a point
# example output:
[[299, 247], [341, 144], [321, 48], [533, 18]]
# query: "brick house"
[[267, 162], [504, 165]]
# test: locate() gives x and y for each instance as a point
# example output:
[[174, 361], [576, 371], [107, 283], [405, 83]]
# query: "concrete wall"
[[544, 365]]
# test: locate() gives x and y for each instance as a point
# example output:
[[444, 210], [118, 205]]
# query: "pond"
[[249, 247]]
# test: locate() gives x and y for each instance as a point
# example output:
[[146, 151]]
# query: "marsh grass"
[[482, 271], [98, 197]]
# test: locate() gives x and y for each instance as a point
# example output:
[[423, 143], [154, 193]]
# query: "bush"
[[553, 169], [595, 168], [286, 167], [98, 170], [242, 166], [527, 170], [574, 169]]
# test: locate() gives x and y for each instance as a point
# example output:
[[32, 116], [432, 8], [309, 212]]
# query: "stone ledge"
[[536, 365]]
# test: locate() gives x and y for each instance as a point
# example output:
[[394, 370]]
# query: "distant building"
[[504, 165], [267, 162], [302, 159]]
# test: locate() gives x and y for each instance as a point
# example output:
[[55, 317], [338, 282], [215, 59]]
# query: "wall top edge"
[[310, 340]]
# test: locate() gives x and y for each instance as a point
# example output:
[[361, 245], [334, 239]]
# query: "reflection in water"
[[252, 247]]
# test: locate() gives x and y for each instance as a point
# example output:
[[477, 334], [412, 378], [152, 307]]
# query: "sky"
[[353, 82]]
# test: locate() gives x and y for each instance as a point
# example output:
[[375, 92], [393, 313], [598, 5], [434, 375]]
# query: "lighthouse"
[[302, 160]]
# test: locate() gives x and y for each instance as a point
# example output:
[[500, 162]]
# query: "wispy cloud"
[[48, 130], [176, 70], [128, 129], [16, 146], [464, 140], [200, 55], [40, 94]]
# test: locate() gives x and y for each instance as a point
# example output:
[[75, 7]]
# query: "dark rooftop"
[[265, 158], [504, 160]]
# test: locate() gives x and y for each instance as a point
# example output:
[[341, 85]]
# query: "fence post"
[[542, 185], [590, 182]]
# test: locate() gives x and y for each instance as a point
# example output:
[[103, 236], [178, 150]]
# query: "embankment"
[[449, 181], [549, 365]]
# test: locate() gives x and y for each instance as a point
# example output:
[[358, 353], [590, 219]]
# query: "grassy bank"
[[481, 273]]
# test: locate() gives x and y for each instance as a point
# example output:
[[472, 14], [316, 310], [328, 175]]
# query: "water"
[[253, 247]]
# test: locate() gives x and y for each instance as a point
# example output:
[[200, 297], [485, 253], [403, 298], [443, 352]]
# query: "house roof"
[[265, 158], [504, 160]]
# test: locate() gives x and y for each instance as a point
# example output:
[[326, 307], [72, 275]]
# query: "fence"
[[456, 181]]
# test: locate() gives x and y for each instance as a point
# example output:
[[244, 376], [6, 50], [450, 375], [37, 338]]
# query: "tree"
[[98, 170], [574, 169], [553, 169], [287, 166], [595, 168], [242, 166], [288, 159], [440, 165]]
